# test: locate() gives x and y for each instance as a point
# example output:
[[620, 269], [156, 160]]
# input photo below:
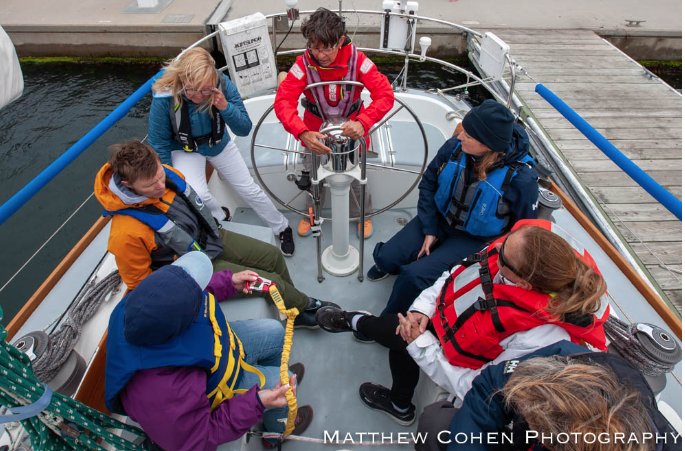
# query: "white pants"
[[233, 169]]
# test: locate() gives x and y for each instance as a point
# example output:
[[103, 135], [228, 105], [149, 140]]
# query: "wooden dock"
[[641, 116]]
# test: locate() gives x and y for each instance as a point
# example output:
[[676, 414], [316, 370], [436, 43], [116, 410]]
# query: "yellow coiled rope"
[[285, 356]]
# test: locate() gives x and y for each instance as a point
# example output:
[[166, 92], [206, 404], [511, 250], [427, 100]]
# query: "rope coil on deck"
[[285, 356]]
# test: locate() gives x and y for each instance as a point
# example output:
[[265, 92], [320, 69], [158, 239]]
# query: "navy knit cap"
[[162, 306], [490, 123]]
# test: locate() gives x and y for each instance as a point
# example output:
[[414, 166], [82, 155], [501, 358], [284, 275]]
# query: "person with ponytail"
[[559, 398], [192, 104], [528, 289], [480, 183]]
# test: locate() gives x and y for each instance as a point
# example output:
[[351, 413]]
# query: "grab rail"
[[27, 192], [657, 191]]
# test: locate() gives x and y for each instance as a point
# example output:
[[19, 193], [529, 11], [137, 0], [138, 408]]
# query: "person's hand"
[[275, 397], [411, 326], [427, 243], [242, 280], [352, 129], [311, 141], [218, 99]]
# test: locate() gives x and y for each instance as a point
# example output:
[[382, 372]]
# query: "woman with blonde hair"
[[192, 104], [528, 289], [559, 398]]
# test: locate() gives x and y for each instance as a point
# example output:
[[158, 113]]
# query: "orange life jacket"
[[473, 314]]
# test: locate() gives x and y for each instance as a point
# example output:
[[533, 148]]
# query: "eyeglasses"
[[326, 52], [503, 262], [193, 92]]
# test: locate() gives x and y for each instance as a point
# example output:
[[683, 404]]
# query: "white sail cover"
[[11, 80]]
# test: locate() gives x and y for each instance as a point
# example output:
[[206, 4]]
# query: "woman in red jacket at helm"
[[329, 56], [530, 288]]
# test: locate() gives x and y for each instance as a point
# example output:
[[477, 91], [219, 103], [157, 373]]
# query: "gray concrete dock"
[[119, 28]]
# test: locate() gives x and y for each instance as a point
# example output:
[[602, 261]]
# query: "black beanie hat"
[[490, 123]]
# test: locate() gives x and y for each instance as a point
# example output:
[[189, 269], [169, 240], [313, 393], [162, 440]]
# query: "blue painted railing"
[[27, 192], [657, 191]]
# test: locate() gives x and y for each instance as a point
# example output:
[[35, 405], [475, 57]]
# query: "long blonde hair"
[[557, 395], [195, 68], [550, 264]]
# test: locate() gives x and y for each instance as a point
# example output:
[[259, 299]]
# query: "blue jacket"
[[483, 409], [160, 132], [522, 194]]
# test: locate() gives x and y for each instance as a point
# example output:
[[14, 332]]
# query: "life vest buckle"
[[484, 304]]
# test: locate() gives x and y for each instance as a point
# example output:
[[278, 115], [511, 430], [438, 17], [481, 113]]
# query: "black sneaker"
[[287, 243], [298, 370], [374, 274], [377, 397], [227, 214], [305, 415], [306, 320], [332, 319], [318, 303]]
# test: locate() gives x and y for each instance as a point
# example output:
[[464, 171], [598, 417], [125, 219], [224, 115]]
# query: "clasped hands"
[[351, 129], [411, 326]]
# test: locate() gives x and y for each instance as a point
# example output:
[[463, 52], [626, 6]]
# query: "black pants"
[[405, 372]]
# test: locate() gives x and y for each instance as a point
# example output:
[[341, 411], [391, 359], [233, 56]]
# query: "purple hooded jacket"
[[171, 406]]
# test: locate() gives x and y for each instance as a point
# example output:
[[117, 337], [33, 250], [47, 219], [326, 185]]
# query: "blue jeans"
[[262, 341], [398, 256]]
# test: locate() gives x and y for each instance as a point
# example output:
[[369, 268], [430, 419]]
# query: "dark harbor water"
[[61, 103]]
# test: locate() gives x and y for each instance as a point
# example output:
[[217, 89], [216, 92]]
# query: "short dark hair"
[[134, 160], [323, 26]]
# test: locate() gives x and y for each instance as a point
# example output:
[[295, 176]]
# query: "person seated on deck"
[[329, 56], [158, 217], [162, 369], [550, 399], [531, 288], [478, 185], [192, 103]]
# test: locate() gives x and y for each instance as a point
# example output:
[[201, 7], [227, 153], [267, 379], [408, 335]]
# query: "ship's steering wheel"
[[383, 122]]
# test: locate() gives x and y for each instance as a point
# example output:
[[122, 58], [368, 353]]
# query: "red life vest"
[[473, 315]]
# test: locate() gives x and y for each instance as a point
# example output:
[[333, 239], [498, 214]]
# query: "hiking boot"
[[361, 338], [305, 415], [377, 397], [304, 228], [287, 243], [298, 370], [368, 229], [335, 320], [374, 274]]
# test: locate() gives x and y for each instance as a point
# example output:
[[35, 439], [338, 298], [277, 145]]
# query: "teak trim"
[[668, 315], [92, 389], [42, 291]]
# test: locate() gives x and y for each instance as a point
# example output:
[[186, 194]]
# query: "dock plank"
[[634, 231], [602, 112], [667, 280], [676, 298], [573, 154], [616, 178], [648, 211], [623, 133], [668, 252], [601, 164], [623, 144], [631, 195], [615, 122]]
